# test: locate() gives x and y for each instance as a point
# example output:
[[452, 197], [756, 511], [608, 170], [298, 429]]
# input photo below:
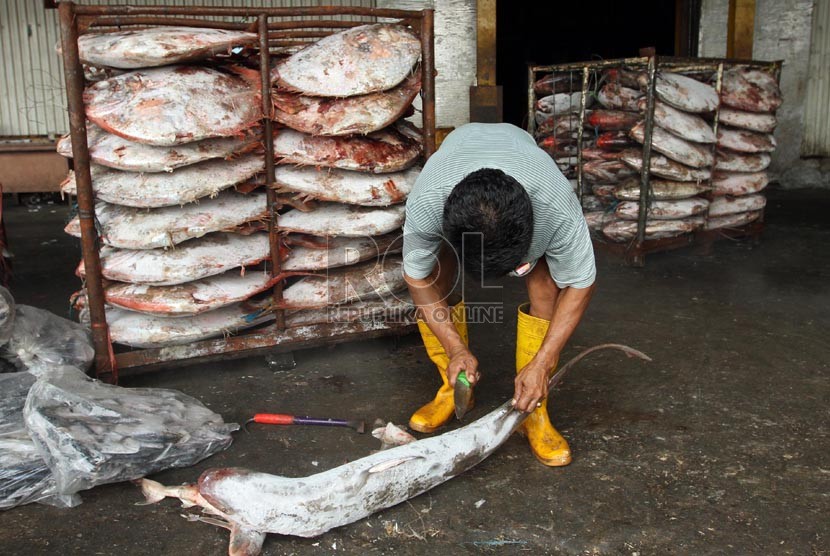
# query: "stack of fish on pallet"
[[692, 184], [178, 164], [749, 99], [681, 160], [341, 102]]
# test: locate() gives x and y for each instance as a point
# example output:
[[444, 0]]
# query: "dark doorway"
[[558, 32]]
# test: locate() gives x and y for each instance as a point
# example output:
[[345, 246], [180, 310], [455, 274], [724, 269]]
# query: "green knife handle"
[[462, 377]]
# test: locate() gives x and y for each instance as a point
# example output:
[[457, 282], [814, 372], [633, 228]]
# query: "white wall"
[[455, 55], [782, 31]]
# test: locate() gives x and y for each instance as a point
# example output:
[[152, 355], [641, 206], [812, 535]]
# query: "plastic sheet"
[[41, 340], [93, 433], [6, 315], [24, 475]]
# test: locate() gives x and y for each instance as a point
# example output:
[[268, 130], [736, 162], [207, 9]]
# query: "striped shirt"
[[560, 233]]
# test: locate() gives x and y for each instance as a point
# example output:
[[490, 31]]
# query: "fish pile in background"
[[749, 99], [697, 180], [178, 168]]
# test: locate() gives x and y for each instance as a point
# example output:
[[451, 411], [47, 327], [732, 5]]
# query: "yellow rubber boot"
[[441, 409], [546, 443]]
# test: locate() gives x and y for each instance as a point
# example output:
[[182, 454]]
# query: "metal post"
[[428, 81], [715, 123], [531, 100], [268, 141], [580, 132], [644, 173], [74, 77]]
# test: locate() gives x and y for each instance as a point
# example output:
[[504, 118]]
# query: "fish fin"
[[251, 76], [153, 491], [287, 102], [361, 478], [391, 463], [211, 521], [245, 542]]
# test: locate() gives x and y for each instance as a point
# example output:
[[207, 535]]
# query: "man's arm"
[[532, 382], [430, 297]]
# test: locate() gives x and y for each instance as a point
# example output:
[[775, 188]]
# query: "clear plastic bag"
[[41, 340], [24, 475], [92, 433], [6, 315]]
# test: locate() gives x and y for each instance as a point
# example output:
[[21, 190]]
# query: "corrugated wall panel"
[[29, 101], [32, 100], [817, 105]]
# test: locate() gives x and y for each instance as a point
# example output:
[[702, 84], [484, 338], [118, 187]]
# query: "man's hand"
[[531, 386], [461, 359]]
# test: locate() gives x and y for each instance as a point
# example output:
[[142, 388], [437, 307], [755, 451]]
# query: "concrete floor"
[[720, 446]]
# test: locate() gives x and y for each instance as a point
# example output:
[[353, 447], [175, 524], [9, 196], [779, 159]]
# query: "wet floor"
[[719, 446]]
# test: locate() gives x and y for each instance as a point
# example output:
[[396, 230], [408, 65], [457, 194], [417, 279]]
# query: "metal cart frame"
[[634, 252], [275, 28]]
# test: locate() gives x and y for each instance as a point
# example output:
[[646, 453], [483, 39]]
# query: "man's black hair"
[[489, 206]]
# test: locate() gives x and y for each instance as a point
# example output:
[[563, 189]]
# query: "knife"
[[462, 394]]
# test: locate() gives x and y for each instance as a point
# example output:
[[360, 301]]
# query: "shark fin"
[[153, 492], [391, 463], [245, 542]]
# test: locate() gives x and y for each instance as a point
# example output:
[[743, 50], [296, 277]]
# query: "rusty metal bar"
[[644, 173], [428, 80], [599, 64], [666, 62], [205, 11], [289, 34], [581, 131], [269, 340], [531, 100], [125, 22], [715, 121], [278, 42], [74, 77], [268, 141], [313, 24]]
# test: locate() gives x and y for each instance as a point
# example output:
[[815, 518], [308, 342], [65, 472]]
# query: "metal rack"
[[583, 73], [276, 28]]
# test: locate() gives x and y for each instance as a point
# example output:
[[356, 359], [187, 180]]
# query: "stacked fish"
[[340, 104], [169, 143], [557, 118], [681, 160], [749, 99], [684, 171], [178, 165], [603, 169]]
